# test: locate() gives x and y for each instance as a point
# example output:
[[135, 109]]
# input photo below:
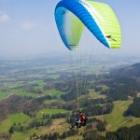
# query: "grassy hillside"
[[116, 119], [19, 136], [15, 118]]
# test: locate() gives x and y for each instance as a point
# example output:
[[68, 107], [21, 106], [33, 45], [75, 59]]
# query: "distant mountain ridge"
[[132, 71]]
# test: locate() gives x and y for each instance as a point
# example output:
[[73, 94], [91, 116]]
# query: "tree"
[[11, 130]]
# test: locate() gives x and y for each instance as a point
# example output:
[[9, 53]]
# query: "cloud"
[[4, 17], [27, 25]]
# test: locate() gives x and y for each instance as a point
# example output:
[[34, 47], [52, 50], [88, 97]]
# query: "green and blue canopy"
[[73, 15]]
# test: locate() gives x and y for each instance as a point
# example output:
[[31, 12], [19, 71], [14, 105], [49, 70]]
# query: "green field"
[[19, 136], [96, 95], [15, 118], [4, 95], [50, 112], [22, 92], [53, 92], [116, 119], [54, 101]]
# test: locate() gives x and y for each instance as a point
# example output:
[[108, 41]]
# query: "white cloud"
[[27, 25], [4, 17]]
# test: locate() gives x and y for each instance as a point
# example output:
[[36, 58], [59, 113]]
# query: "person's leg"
[[72, 126], [76, 124], [79, 125]]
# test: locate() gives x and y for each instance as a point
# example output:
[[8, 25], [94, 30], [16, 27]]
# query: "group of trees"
[[122, 92], [125, 133], [96, 106], [16, 127], [134, 108], [120, 88], [75, 90]]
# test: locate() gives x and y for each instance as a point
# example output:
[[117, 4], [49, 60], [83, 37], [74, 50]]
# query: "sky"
[[27, 28]]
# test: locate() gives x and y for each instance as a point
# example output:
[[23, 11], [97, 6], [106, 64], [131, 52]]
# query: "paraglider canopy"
[[73, 15]]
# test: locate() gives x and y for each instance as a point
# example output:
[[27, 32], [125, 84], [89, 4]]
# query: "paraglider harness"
[[78, 120]]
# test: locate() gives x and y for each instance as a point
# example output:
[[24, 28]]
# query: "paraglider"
[[73, 15]]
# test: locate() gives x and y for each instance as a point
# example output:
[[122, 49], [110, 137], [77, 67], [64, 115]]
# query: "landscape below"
[[36, 101]]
